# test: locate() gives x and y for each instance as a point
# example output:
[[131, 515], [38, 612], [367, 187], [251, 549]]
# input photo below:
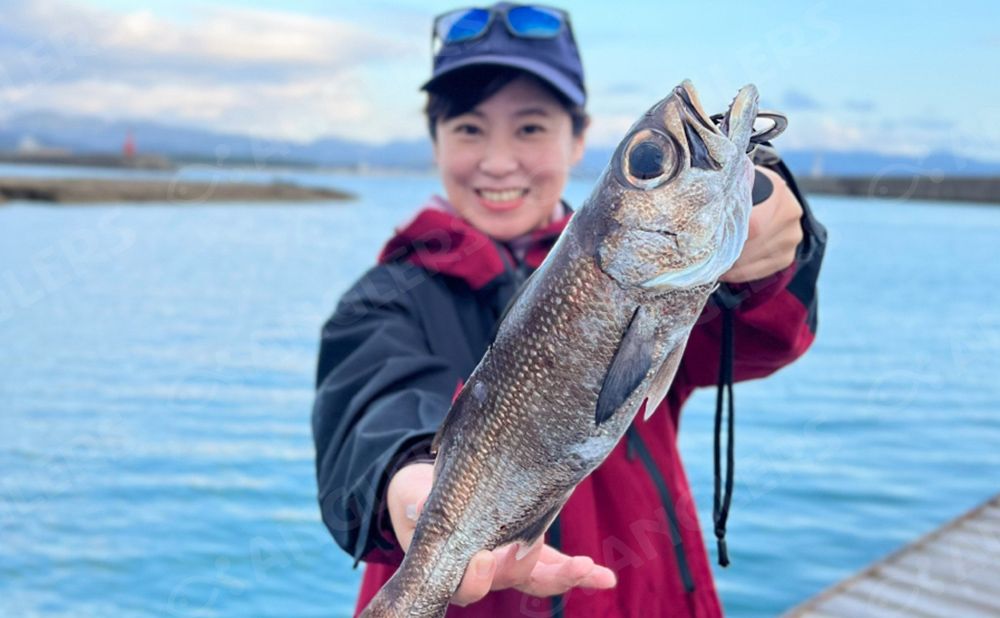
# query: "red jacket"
[[635, 514]]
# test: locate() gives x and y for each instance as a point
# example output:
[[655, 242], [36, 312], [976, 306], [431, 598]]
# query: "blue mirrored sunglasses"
[[525, 21]]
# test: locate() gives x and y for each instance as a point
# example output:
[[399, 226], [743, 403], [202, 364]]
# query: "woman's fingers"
[[543, 571], [511, 570], [478, 579], [597, 577], [540, 571], [405, 498], [553, 578]]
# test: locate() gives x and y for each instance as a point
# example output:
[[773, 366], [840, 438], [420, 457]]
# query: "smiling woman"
[[506, 115]]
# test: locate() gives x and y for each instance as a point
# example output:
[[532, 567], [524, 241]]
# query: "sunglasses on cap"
[[524, 21]]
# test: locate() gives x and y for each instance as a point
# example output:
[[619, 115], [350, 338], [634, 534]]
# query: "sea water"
[[156, 377]]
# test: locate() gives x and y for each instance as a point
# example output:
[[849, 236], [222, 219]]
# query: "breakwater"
[[180, 192], [138, 161], [919, 187]]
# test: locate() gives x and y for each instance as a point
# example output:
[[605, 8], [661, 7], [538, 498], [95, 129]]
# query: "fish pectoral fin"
[[628, 368], [664, 377]]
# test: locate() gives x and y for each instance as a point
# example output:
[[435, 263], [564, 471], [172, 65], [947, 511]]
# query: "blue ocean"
[[156, 379]]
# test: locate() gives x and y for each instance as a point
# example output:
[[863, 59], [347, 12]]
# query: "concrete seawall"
[[954, 189]]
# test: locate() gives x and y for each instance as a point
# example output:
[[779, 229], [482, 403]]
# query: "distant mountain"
[[94, 135]]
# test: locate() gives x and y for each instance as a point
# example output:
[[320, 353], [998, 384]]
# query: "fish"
[[593, 336]]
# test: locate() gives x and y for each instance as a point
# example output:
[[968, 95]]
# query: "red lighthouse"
[[128, 148]]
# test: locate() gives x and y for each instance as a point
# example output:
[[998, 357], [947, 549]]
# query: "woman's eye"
[[532, 129], [467, 129]]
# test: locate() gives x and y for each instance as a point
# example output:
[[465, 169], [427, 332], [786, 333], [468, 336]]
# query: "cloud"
[[607, 129], [909, 136], [928, 123], [271, 73], [859, 105], [220, 38], [797, 101]]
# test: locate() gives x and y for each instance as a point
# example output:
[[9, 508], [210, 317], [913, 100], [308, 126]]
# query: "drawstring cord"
[[722, 502]]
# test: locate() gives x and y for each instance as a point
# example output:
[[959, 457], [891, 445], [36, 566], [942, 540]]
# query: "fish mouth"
[[692, 105]]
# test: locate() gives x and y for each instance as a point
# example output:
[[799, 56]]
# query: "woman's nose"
[[499, 159]]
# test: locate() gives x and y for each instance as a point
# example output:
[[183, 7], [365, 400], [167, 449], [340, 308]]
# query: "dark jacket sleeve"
[[774, 318], [380, 396]]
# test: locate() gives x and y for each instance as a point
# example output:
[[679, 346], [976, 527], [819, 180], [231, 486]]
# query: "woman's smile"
[[500, 200]]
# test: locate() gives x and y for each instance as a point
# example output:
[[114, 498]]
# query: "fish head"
[[675, 199]]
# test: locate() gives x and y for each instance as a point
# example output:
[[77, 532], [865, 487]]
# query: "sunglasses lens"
[[461, 25], [536, 22]]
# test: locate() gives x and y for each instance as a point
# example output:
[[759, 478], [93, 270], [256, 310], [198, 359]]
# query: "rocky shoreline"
[[83, 191]]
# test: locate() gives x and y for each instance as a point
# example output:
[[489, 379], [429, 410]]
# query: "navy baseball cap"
[[553, 59]]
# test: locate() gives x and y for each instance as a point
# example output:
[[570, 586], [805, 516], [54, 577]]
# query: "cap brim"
[[539, 69]]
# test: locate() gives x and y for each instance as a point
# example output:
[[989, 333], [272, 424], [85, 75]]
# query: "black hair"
[[464, 89]]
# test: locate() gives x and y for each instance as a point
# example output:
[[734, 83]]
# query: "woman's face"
[[505, 163]]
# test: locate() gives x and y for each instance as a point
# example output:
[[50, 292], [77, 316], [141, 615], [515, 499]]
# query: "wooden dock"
[[952, 572]]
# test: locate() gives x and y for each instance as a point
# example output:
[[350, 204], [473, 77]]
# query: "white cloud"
[[302, 109], [223, 37], [268, 73], [608, 129], [230, 35], [280, 74], [914, 137]]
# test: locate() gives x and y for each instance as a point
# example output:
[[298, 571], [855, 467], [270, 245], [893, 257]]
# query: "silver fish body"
[[595, 334]]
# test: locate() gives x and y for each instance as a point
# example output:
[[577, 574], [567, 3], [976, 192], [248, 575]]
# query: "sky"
[[894, 77]]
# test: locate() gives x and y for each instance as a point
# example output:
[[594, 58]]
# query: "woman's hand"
[[775, 232], [543, 571]]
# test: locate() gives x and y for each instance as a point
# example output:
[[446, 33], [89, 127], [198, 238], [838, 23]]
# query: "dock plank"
[[952, 571]]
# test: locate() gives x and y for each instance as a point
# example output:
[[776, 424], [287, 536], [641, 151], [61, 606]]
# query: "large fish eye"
[[649, 159], [646, 160]]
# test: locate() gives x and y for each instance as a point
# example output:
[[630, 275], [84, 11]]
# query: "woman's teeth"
[[502, 196]]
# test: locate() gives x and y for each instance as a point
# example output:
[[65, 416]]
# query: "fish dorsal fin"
[[473, 392], [628, 368]]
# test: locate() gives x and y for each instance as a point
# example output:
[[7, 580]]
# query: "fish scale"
[[597, 331]]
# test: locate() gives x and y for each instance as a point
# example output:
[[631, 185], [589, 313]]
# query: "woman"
[[505, 113]]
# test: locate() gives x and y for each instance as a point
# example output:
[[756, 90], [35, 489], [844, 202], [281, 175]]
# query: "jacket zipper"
[[635, 444]]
